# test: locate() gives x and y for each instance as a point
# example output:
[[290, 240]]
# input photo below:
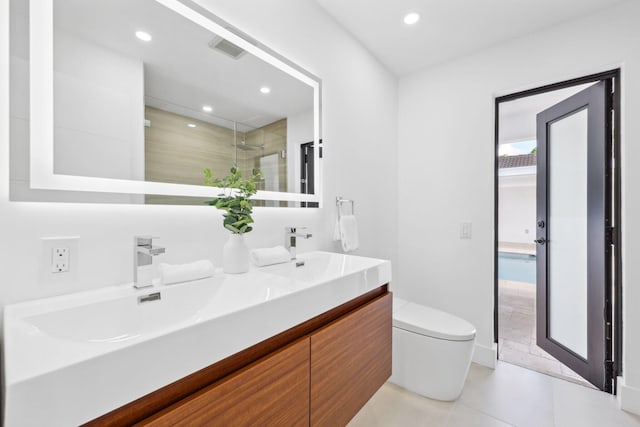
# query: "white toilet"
[[431, 350]]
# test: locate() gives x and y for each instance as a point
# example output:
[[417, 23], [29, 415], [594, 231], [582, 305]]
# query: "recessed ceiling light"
[[144, 36], [191, 125], [411, 18], [207, 108], [265, 89]]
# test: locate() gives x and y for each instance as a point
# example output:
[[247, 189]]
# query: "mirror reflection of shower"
[[180, 143]]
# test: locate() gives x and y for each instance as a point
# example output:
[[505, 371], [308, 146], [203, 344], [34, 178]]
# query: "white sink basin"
[[105, 349], [125, 318], [317, 267]]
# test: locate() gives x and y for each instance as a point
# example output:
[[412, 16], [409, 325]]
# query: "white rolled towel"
[[268, 256], [185, 272]]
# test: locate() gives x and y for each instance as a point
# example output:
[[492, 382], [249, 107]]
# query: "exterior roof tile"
[[519, 161]]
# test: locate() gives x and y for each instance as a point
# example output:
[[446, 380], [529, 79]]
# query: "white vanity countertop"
[[70, 359]]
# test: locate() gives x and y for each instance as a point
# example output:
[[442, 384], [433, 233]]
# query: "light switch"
[[465, 230]]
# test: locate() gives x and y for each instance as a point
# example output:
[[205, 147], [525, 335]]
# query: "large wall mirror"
[[138, 97]]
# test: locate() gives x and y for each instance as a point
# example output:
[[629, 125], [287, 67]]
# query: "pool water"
[[517, 267]]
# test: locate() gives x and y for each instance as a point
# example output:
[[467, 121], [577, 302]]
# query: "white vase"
[[235, 255]]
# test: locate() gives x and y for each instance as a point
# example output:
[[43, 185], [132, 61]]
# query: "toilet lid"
[[431, 322]]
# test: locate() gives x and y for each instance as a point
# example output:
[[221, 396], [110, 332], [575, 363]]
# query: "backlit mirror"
[[139, 97]]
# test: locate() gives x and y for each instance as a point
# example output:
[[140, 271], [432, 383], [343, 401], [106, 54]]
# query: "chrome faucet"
[[143, 253], [290, 236]]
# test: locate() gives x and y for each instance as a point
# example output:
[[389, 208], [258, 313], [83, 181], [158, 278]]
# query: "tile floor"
[[517, 332], [507, 396]]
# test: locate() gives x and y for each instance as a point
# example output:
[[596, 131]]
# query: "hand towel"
[[349, 233], [268, 256], [343, 209], [336, 230], [185, 272]]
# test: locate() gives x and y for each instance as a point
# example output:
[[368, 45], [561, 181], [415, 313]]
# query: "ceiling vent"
[[226, 47]]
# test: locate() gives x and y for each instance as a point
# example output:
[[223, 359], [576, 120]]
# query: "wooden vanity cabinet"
[[350, 360], [271, 392], [319, 373]]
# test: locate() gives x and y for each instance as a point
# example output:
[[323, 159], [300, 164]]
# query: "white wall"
[[517, 214], [356, 118], [447, 112]]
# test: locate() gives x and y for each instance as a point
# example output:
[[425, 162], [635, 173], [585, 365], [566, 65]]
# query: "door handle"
[[540, 241]]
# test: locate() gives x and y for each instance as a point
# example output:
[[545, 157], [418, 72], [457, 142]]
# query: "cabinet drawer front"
[[273, 391], [350, 360]]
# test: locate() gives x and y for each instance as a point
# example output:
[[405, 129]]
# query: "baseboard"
[[628, 397], [485, 356]]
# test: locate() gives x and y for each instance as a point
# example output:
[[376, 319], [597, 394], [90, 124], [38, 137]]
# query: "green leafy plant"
[[235, 199]]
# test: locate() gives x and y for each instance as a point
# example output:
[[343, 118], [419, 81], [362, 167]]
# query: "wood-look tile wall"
[[177, 153], [272, 139]]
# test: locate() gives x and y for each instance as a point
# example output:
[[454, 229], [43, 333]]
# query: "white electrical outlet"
[[60, 260]]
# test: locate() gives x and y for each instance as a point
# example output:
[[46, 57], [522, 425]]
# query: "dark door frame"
[[307, 171], [614, 318]]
